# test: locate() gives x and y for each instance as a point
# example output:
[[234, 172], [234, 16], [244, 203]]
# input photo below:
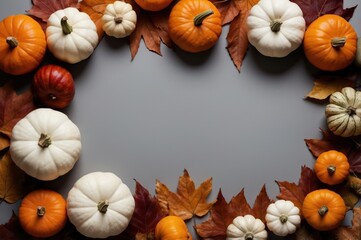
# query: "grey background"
[[155, 116]]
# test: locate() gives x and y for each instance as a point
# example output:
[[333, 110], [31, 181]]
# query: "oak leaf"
[[188, 201], [12, 180], [351, 233], [13, 107], [312, 9]]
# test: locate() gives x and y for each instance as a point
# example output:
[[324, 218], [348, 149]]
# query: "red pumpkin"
[[53, 86]]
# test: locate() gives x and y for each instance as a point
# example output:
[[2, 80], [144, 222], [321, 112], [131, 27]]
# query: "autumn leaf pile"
[[209, 217]]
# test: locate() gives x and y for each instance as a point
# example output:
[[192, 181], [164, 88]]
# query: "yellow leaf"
[[323, 88]]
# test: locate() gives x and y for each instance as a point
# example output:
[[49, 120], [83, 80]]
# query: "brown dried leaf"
[[260, 205], [349, 196], [4, 142], [347, 233], [42, 9], [229, 9]]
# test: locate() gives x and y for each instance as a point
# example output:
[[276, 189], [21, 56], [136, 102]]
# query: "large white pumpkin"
[[100, 205], [45, 144]]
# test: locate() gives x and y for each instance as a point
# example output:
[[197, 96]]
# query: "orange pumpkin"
[[172, 228], [22, 44], [330, 43], [323, 209], [195, 25], [153, 5], [332, 167], [42, 213]]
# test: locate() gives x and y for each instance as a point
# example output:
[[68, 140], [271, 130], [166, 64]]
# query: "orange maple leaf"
[[187, 201]]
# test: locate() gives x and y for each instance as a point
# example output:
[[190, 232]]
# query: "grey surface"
[[152, 117]]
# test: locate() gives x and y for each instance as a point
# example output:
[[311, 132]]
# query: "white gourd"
[[100, 205], [282, 217], [246, 228], [276, 27], [45, 144], [119, 19], [344, 112], [71, 35]]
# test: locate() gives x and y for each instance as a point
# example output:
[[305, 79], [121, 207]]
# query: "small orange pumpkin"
[[195, 25], [42, 213], [172, 228], [332, 167], [22, 44], [153, 5], [323, 209], [330, 43]]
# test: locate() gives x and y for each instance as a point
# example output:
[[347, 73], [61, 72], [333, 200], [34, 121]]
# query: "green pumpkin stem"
[[323, 210], [249, 236], [103, 206], [338, 42], [40, 211], [283, 219], [198, 20], [275, 25], [44, 141], [12, 41], [331, 170], [67, 29]]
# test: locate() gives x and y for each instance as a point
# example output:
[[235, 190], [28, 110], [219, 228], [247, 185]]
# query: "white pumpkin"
[[119, 19], [344, 112], [246, 228], [45, 144], [100, 205], [276, 27], [282, 217], [71, 35]]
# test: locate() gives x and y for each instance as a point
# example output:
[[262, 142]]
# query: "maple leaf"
[[13, 107], [312, 9], [221, 215], [260, 205], [42, 9], [147, 213], [12, 180], [4, 142], [12, 229], [188, 201], [237, 40], [351, 233], [229, 9]]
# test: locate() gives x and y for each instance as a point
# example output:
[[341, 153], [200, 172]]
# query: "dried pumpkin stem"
[[40, 211], [323, 210], [118, 19], [275, 25], [103, 206], [351, 110], [198, 20], [338, 42], [283, 219], [331, 169], [249, 236], [67, 29], [44, 141], [12, 41]]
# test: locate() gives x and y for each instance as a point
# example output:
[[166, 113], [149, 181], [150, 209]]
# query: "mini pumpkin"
[[282, 217], [323, 209], [332, 167], [330, 43], [358, 53], [247, 228], [119, 19], [71, 35], [153, 5], [100, 205], [343, 113], [22, 44], [276, 27], [195, 25], [171, 228], [42, 213], [45, 144]]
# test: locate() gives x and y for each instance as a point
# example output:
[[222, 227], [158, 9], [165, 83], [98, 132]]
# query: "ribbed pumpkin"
[[42, 213], [195, 25], [330, 43], [153, 5], [172, 228], [22, 44]]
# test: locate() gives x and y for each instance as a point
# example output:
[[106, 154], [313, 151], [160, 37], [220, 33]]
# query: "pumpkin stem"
[[351, 110], [275, 25], [103, 206], [323, 210], [331, 169], [198, 20], [67, 29], [283, 218], [12, 41], [118, 19], [248, 236], [338, 42], [44, 141], [40, 211]]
